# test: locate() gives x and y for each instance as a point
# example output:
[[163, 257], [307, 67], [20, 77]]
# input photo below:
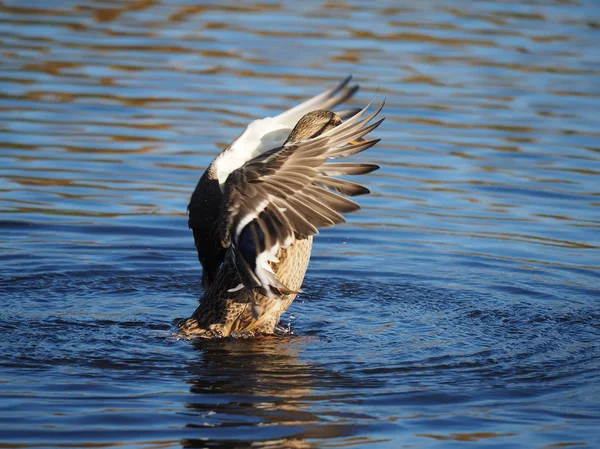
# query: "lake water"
[[460, 307]]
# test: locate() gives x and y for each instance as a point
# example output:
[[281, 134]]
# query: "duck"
[[259, 204]]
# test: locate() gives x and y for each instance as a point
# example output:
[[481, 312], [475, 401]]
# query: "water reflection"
[[257, 383], [459, 306]]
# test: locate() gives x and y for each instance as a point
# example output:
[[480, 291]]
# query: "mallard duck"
[[258, 205]]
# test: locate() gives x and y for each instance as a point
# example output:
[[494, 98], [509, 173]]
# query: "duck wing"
[[290, 192], [271, 132], [259, 136]]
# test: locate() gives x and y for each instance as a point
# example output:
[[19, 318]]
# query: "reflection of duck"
[[250, 393], [258, 204]]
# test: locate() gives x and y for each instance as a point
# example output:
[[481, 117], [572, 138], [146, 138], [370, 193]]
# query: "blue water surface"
[[458, 308]]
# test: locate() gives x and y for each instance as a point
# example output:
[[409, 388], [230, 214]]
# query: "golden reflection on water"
[[489, 155], [471, 437]]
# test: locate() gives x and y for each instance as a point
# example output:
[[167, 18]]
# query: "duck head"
[[313, 125]]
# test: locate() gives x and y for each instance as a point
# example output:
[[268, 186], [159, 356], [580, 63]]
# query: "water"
[[458, 308]]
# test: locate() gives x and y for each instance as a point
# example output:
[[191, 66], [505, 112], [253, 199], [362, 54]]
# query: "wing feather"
[[327, 100], [343, 168], [289, 192], [342, 186]]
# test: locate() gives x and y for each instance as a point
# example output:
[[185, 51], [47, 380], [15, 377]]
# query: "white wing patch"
[[237, 288], [260, 136], [263, 270], [248, 218]]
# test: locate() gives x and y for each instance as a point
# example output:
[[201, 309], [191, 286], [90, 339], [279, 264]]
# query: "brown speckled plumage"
[[221, 313]]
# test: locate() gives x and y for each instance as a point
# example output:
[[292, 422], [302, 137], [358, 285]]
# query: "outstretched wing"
[[265, 134], [288, 193], [260, 135]]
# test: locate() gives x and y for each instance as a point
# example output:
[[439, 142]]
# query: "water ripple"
[[459, 306]]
